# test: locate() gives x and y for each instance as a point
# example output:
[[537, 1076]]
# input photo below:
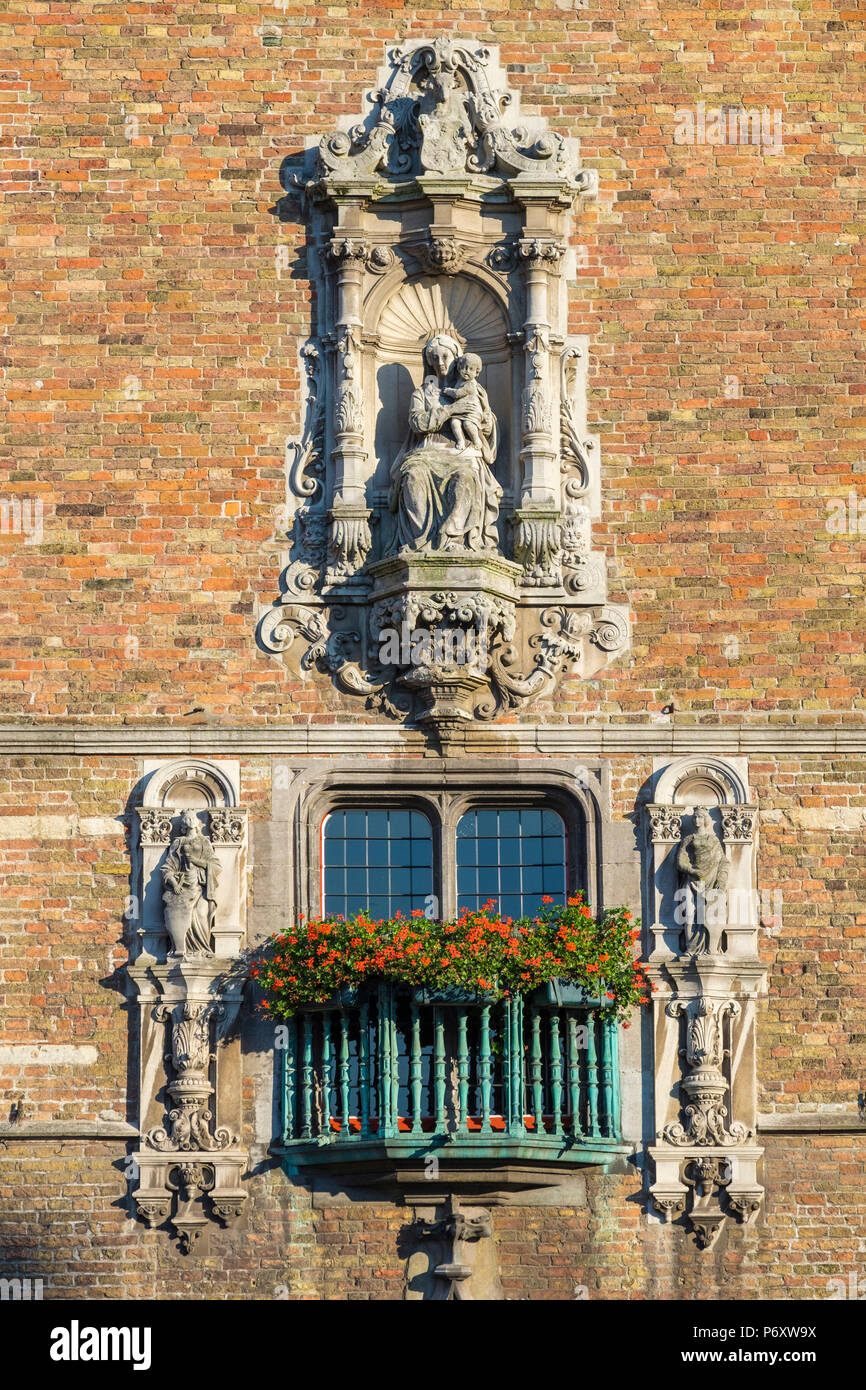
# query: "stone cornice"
[[384, 740], [812, 1122], [66, 1129]]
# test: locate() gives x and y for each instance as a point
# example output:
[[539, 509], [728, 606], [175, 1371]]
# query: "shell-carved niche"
[[442, 492], [192, 862]]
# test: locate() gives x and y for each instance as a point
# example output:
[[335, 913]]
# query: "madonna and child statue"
[[443, 491]]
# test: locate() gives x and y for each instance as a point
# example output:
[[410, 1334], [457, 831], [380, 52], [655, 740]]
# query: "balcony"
[[389, 1083]]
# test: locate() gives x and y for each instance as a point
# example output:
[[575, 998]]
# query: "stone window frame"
[[444, 797]]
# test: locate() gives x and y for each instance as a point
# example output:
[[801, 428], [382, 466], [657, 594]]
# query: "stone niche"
[[702, 900], [189, 872], [438, 556]]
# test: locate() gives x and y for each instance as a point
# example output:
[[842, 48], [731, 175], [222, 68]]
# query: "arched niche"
[[211, 791], [696, 781], [191, 783], [401, 321]]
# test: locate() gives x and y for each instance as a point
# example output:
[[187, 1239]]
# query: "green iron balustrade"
[[396, 1072]]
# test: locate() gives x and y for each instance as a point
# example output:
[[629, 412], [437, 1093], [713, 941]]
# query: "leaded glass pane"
[[376, 860], [512, 855]]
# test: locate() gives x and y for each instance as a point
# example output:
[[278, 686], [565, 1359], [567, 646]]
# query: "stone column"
[[537, 544], [349, 516]]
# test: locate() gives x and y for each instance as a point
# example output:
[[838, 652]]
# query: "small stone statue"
[[703, 872], [190, 874], [443, 491], [474, 399]]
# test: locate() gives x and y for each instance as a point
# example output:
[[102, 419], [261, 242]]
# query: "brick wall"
[[76, 1236], [64, 1209], [150, 372], [151, 344]]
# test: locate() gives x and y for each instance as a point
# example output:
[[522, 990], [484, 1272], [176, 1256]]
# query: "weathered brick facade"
[[155, 305]]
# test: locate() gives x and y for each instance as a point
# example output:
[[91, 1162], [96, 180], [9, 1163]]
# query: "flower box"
[[475, 960], [346, 997], [452, 996], [565, 993]]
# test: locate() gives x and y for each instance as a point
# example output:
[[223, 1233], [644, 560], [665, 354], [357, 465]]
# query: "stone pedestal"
[[435, 617]]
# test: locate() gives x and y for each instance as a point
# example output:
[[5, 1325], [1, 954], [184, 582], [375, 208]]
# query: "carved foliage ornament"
[[189, 1121], [665, 824], [705, 1087], [440, 114]]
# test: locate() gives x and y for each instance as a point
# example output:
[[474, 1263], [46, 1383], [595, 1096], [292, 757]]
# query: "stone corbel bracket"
[[454, 1256], [708, 1187], [707, 976], [188, 985], [190, 1162], [517, 655]]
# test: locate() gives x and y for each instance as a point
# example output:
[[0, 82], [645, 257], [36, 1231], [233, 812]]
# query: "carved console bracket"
[[445, 472], [707, 1188], [702, 899], [453, 1255], [189, 871]]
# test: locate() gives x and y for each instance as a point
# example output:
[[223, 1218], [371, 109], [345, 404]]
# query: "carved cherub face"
[[468, 366]]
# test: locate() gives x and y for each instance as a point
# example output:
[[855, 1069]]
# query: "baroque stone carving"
[[152, 1210], [442, 255], [348, 542], [537, 547], [461, 1255], [707, 1178], [705, 1085], [188, 1157], [558, 643], [190, 1056], [349, 419], [609, 631], [536, 405], [422, 437], [227, 827], [442, 489], [707, 977], [306, 466], [440, 114], [155, 826], [375, 259], [665, 824], [189, 1069], [738, 824]]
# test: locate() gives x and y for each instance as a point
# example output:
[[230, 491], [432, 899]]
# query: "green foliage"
[[480, 953]]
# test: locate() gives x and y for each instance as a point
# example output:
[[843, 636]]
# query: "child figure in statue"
[[475, 407]]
